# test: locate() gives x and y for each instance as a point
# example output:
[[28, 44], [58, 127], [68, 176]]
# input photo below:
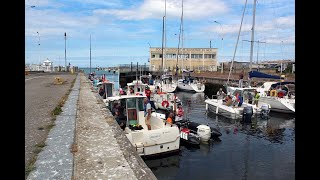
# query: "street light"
[[221, 41], [39, 49]]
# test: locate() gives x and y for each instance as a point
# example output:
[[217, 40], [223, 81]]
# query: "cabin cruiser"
[[190, 84], [162, 138], [165, 84], [161, 100], [278, 95]]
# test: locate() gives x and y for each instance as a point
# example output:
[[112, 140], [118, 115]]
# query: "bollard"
[[58, 80]]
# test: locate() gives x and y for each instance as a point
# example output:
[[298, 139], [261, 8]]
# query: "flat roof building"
[[203, 59]]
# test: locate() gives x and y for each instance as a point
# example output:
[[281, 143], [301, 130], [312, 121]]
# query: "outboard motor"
[[264, 114], [204, 132], [247, 114]]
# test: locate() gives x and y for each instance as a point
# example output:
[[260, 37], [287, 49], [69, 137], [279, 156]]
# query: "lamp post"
[[39, 50], [65, 50], [221, 41]]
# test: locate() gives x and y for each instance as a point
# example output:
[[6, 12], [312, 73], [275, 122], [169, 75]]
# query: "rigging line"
[[235, 50]]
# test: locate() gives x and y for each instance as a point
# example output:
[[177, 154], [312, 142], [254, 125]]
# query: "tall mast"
[[162, 42], [252, 33], [165, 32], [179, 39], [182, 35]]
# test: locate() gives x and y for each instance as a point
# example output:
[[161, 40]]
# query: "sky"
[[122, 31]]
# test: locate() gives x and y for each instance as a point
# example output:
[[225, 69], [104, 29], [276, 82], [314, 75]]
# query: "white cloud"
[[193, 9], [288, 21]]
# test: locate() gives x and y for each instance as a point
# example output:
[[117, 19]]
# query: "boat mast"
[[235, 50], [162, 42], [182, 36], [252, 33], [177, 63], [165, 33]]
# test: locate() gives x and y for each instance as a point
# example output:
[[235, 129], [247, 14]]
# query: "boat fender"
[[273, 93], [165, 103]]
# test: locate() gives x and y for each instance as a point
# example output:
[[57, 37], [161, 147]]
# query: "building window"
[[153, 56], [196, 56]]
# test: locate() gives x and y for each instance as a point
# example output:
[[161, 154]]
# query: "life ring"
[[137, 94], [165, 103], [273, 93]]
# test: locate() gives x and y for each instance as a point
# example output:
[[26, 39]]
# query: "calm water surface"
[[263, 150]]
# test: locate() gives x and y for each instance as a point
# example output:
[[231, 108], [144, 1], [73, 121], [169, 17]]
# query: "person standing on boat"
[[147, 112], [169, 119], [131, 90], [179, 113], [250, 98], [220, 94], [148, 92], [256, 98], [241, 79]]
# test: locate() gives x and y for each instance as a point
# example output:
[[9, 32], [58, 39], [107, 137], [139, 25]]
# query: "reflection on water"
[[262, 150]]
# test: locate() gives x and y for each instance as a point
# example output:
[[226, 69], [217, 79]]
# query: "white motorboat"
[[217, 106], [281, 99], [190, 85], [165, 84], [162, 138], [161, 100]]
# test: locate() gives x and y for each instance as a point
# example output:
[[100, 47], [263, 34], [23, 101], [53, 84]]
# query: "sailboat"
[[217, 106], [166, 83], [187, 83], [279, 100]]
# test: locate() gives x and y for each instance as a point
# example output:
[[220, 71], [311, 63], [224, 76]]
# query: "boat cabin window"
[[140, 104]]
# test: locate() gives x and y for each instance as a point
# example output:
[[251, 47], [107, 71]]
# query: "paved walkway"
[[101, 150], [55, 161]]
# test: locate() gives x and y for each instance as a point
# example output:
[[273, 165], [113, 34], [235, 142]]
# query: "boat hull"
[[282, 105], [199, 87]]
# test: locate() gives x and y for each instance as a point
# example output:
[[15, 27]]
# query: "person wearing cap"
[[220, 94]]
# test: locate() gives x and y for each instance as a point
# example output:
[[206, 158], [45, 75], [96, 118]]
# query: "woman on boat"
[[228, 100], [169, 119], [179, 113]]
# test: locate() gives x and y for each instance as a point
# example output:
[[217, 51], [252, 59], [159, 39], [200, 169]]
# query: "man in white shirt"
[[147, 112]]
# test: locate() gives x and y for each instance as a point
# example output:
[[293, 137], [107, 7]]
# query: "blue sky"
[[122, 30]]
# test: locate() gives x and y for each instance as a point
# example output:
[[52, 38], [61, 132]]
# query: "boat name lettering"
[[155, 136]]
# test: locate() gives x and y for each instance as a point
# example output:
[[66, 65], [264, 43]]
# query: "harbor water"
[[263, 150], [111, 75]]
